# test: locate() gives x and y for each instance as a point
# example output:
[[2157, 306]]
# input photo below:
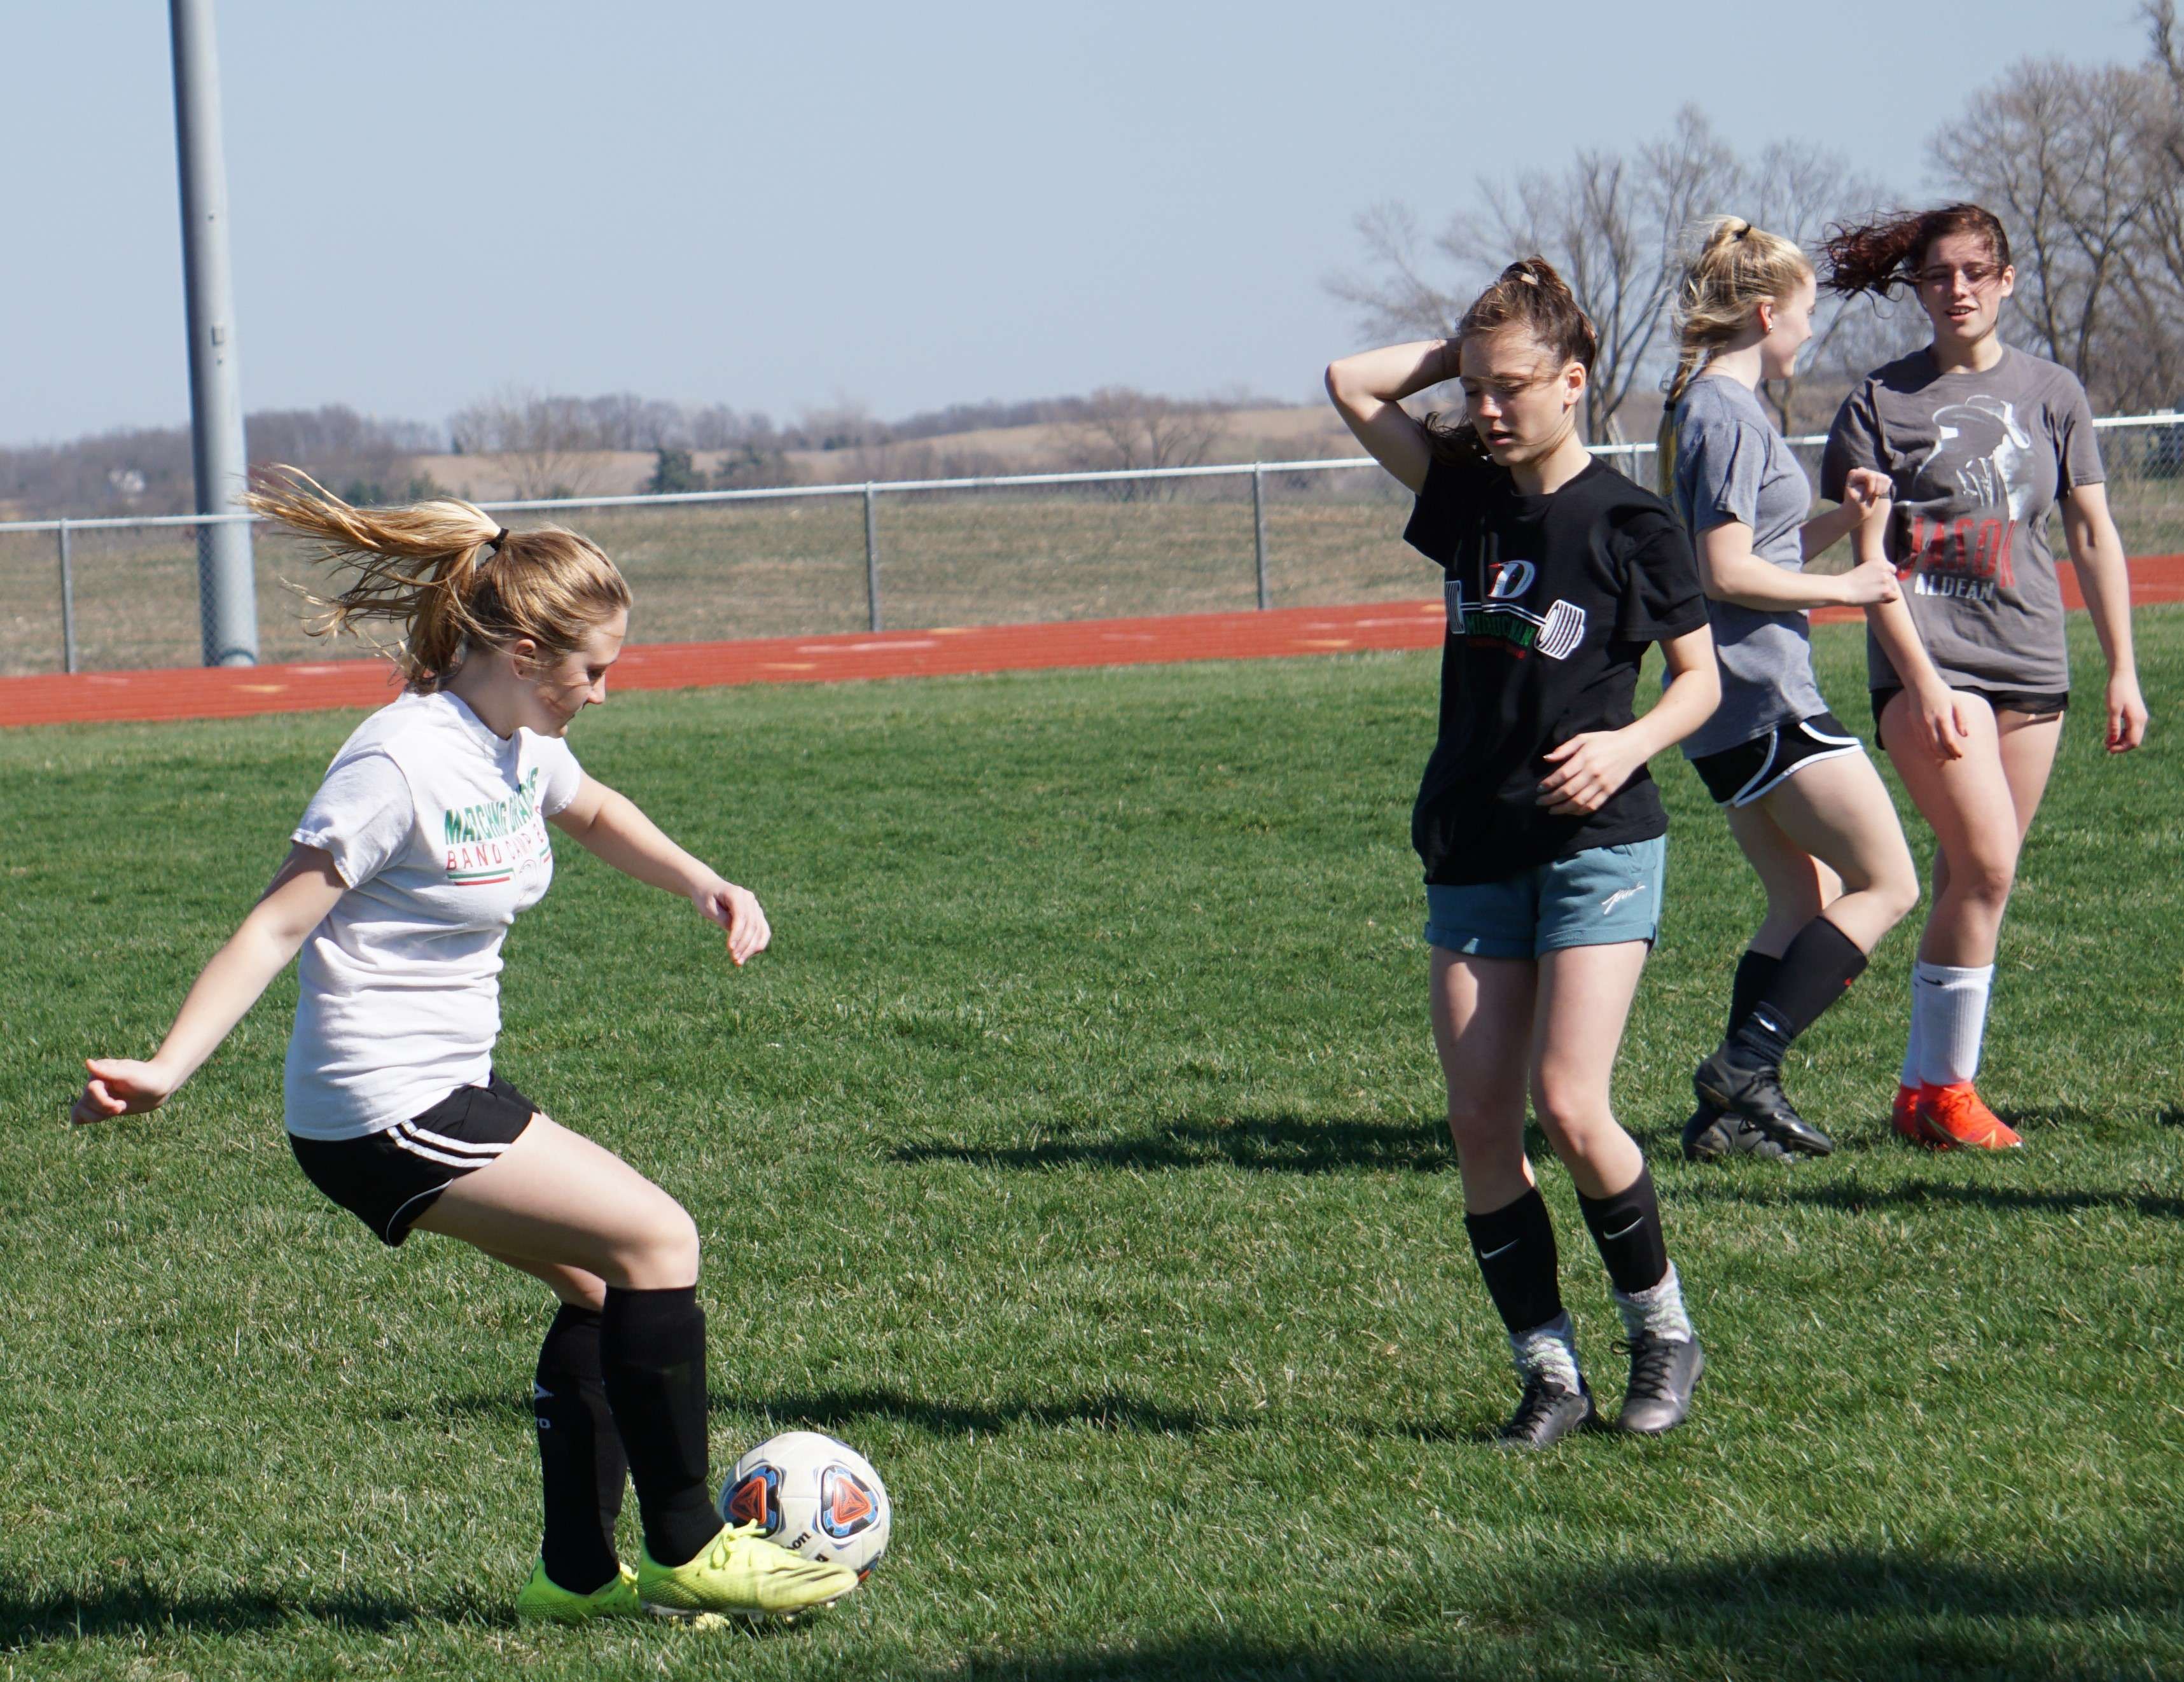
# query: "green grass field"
[[1076, 1154]]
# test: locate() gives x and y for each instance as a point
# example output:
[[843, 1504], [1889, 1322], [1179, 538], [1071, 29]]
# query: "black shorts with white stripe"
[[386, 1179], [1752, 771]]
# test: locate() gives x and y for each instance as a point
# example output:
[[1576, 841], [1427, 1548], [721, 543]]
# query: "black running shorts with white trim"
[[2033, 703], [1751, 770], [386, 1179]]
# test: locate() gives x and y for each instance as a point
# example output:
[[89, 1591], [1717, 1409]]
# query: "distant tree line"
[[557, 446], [2083, 164]]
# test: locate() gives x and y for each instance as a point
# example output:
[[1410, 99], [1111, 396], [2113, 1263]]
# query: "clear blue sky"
[[779, 207]]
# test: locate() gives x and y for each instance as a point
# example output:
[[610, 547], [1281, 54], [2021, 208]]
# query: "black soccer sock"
[[1627, 1229], [652, 1352], [579, 1454], [1821, 962], [1515, 1245], [1754, 969]]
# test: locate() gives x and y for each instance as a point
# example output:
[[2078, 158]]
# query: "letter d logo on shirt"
[[1511, 578]]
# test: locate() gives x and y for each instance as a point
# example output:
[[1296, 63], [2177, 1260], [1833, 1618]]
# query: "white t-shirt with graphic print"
[[438, 826]]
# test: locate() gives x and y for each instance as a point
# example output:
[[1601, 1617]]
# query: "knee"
[[1895, 889], [1481, 1131], [1571, 1114], [662, 1255], [1983, 881]]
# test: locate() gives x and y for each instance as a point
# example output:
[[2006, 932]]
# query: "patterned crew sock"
[[1547, 1351], [1656, 1312]]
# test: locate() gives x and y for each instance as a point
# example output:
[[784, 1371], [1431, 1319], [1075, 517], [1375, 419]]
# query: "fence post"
[[871, 555], [68, 604], [1259, 529]]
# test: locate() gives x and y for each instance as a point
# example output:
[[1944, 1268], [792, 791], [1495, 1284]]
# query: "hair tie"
[[498, 538]]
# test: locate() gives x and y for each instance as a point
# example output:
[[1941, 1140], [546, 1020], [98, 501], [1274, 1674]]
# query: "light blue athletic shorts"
[[1600, 897]]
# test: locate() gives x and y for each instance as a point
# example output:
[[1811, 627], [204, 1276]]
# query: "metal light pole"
[[227, 592]]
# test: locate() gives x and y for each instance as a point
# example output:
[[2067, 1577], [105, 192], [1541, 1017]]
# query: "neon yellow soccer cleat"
[[742, 1575], [543, 1598]]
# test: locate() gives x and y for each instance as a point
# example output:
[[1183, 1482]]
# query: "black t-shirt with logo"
[[1552, 601]]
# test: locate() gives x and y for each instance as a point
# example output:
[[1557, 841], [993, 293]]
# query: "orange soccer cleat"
[[1953, 1116], [1904, 1117]]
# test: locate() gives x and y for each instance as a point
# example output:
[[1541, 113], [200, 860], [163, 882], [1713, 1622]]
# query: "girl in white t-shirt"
[[426, 837]]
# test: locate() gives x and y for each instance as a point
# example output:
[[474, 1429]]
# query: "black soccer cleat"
[[1663, 1372], [1547, 1414], [1732, 1081], [1713, 1134]]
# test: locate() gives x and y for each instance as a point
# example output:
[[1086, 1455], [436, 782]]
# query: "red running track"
[[234, 692]]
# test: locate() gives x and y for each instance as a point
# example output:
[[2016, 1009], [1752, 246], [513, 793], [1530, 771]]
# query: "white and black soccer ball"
[[813, 1495]]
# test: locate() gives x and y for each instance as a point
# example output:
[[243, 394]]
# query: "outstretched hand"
[[736, 911], [119, 1086]]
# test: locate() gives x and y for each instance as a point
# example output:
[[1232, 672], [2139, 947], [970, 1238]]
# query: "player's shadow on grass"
[[1268, 1143], [28, 1620], [1937, 1194], [1877, 1614], [835, 1410]]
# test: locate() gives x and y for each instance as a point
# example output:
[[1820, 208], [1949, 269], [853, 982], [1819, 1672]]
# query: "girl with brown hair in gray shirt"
[[1968, 670]]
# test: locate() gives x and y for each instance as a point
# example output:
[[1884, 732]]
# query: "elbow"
[[1338, 390]]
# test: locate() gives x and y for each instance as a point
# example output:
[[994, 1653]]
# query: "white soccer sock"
[[1656, 1312], [1549, 1350], [1949, 1014], [1914, 1042]]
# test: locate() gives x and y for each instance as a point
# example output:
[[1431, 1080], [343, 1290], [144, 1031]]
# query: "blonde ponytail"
[[1736, 269], [448, 574]]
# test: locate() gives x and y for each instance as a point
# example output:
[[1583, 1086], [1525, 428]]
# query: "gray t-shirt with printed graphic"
[[1732, 465], [1978, 461]]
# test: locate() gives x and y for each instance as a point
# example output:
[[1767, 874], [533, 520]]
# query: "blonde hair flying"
[[1737, 268], [448, 574]]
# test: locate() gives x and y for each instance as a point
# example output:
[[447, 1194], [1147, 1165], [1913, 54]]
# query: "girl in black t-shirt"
[[1541, 831]]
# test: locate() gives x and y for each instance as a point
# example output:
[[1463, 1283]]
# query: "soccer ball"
[[814, 1497]]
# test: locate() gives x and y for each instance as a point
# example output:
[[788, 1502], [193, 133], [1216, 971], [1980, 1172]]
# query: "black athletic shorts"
[[386, 1179], [2037, 704], [1750, 771]]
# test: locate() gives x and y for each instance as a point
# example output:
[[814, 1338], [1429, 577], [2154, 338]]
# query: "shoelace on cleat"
[[1652, 1367], [1539, 1401]]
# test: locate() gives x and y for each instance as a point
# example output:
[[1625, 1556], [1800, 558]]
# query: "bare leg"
[[1836, 817], [1968, 803], [1482, 1017], [1584, 999], [554, 1200]]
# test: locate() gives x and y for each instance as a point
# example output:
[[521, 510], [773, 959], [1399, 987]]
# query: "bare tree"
[[1610, 223], [1127, 429], [2056, 149], [547, 443], [1799, 191]]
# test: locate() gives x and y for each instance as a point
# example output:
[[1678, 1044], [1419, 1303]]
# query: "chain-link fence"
[[110, 594]]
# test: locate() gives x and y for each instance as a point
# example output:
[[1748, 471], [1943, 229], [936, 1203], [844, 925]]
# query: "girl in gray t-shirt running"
[[1803, 801], [1969, 678]]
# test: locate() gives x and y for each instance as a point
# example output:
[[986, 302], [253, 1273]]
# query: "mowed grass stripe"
[[1076, 1154]]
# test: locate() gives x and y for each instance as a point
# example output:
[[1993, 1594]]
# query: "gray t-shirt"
[[1733, 465], [1978, 461]]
